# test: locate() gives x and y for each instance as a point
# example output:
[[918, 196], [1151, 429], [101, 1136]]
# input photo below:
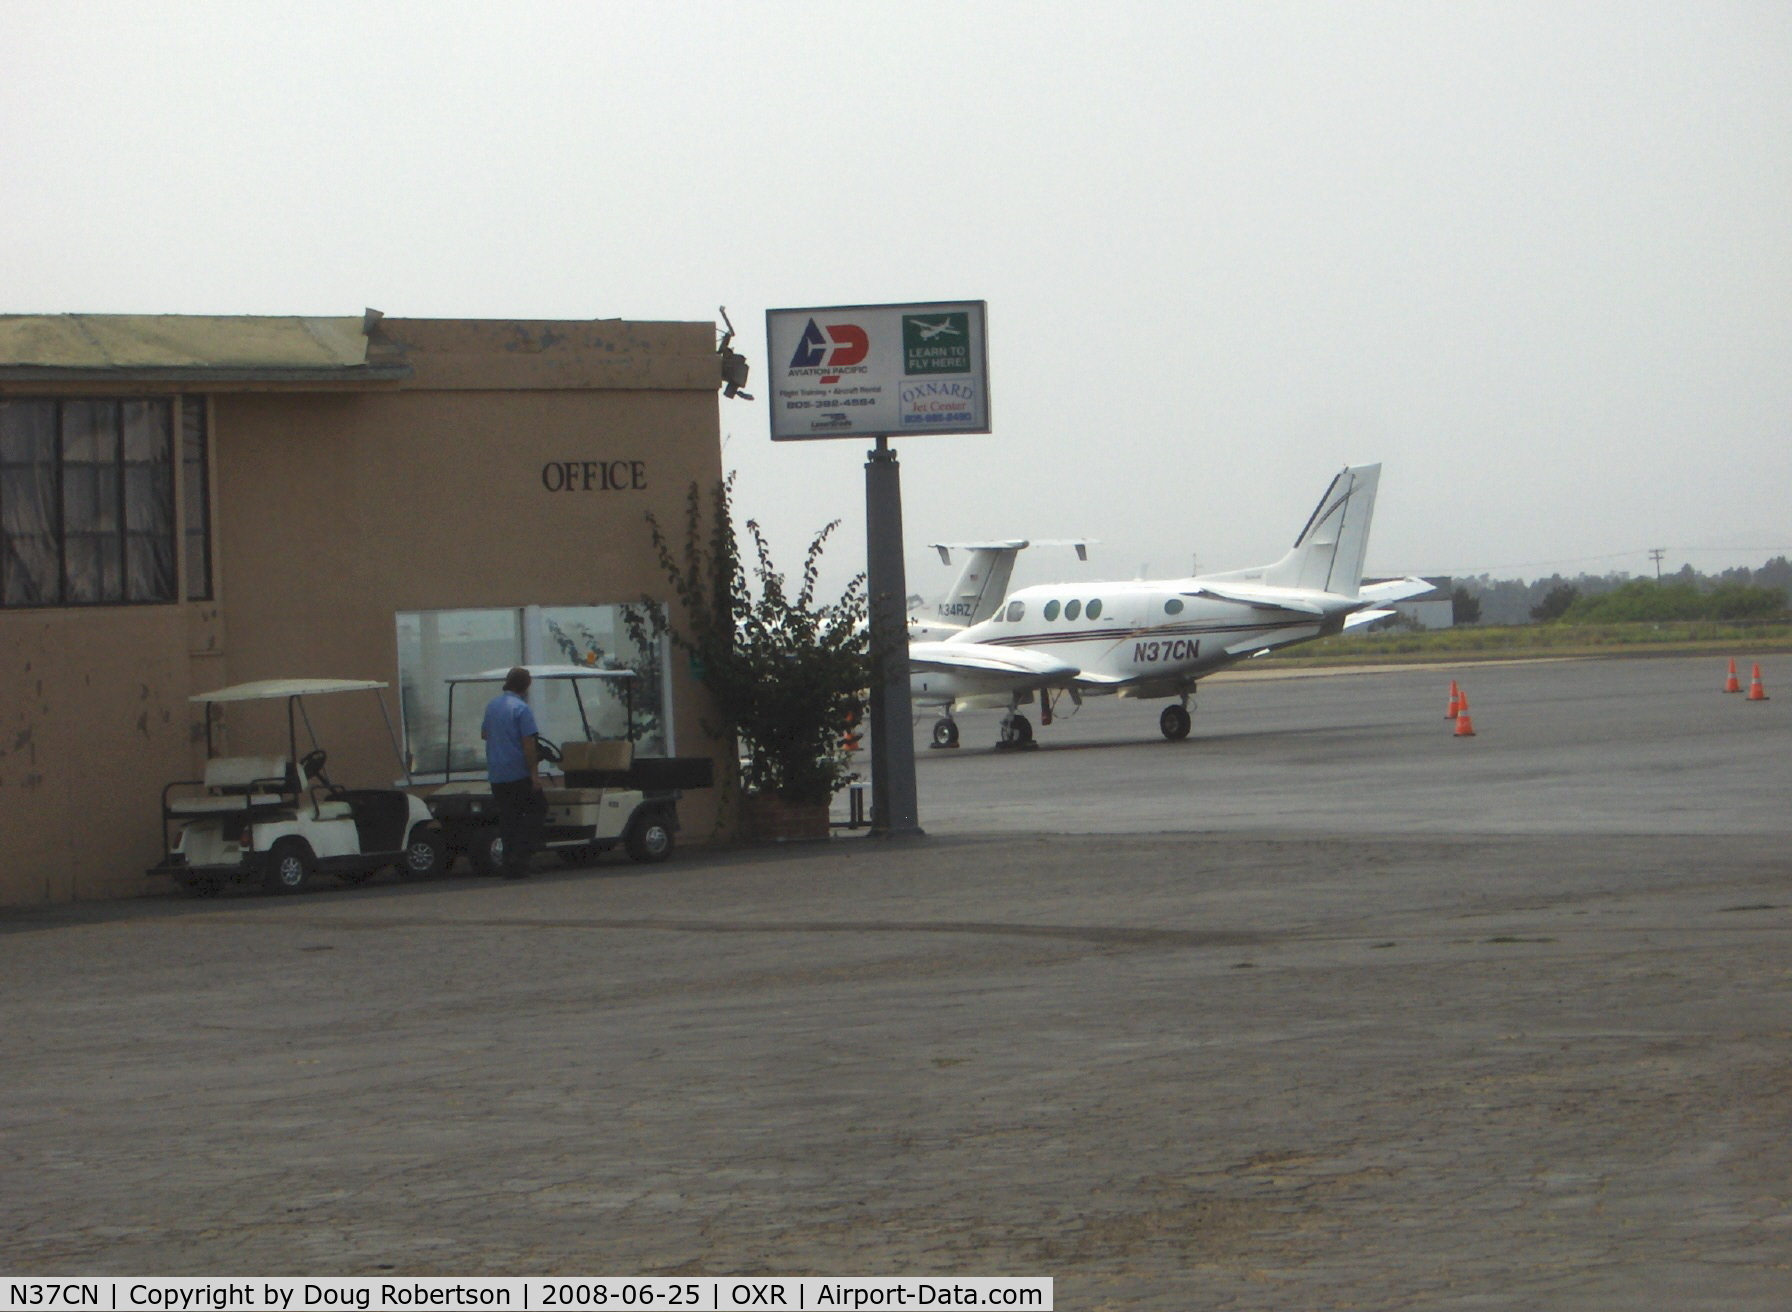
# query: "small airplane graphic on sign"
[[929, 331]]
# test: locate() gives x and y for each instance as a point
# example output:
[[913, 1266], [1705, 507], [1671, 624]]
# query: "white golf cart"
[[280, 819], [608, 796]]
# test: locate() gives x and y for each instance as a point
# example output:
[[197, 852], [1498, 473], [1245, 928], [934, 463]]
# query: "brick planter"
[[768, 818]]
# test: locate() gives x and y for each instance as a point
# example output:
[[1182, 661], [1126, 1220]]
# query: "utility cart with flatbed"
[[606, 796]]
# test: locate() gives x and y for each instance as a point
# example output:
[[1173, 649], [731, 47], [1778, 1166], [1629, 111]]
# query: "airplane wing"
[[1266, 599], [987, 667], [1257, 647], [1395, 589]]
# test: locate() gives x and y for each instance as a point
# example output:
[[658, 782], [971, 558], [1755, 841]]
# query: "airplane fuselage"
[[1149, 632]]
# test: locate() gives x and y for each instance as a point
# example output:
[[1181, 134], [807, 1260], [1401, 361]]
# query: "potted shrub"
[[787, 673]]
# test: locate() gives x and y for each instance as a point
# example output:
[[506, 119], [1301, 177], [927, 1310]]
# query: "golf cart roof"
[[544, 672], [268, 689]]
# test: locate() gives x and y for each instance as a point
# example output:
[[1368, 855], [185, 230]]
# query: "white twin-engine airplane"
[[1155, 638]]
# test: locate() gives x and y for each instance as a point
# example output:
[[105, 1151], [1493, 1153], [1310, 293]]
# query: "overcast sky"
[[1536, 258]]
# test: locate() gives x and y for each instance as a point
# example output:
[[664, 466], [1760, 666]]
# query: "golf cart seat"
[[233, 783], [590, 768]]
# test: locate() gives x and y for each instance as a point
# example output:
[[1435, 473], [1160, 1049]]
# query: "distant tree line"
[[1735, 594]]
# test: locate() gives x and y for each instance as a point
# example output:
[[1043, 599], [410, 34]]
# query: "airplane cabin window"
[[1094, 610], [1016, 610], [1051, 610], [1173, 606], [1072, 609]]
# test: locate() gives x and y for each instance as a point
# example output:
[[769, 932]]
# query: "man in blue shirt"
[[512, 765]]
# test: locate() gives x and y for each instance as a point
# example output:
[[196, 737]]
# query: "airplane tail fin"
[[981, 584], [1328, 554]]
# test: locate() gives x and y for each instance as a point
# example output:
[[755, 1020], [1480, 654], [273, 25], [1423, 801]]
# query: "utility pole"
[[1655, 554], [894, 810]]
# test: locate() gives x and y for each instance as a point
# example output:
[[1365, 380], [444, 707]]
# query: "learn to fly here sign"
[[878, 370]]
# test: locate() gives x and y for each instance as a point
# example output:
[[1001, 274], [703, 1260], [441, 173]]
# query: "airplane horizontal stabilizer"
[[1396, 589], [1367, 617]]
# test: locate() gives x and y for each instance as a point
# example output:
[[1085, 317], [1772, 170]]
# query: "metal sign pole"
[[893, 803]]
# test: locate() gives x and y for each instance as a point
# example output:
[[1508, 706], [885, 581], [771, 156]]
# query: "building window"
[[30, 526], [436, 645], [195, 496], [86, 502]]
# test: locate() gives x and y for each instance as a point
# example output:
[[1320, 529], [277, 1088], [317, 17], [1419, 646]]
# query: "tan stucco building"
[[190, 502]]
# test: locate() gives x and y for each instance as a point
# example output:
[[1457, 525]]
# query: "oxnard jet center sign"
[[877, 370]]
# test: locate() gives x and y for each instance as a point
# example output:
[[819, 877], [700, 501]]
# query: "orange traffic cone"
[[1756, 693], [1455, 701], [1465, 727], [1731, 684]]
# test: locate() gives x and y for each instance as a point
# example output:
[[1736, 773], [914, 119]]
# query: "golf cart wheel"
[[945, 733], [487, 852], [202, 885], [289, 867], [425, 855], [1174, 723], [650, 837]]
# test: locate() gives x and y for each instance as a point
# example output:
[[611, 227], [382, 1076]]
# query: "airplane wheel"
[[1017, 732], [1174, 722], [945, 733]]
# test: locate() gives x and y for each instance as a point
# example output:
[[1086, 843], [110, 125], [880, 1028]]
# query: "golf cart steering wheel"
[[311, 765], [546, 750]]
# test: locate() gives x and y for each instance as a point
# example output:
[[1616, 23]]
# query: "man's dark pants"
[[521, 811]]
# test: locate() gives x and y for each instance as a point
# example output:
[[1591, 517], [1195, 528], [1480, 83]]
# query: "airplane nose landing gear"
[[945, 732]]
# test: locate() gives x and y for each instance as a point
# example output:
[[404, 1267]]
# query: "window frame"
[[111, 531]]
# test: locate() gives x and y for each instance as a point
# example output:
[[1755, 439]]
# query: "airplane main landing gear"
[[1174, 722], [945, 732], [1017, 732]]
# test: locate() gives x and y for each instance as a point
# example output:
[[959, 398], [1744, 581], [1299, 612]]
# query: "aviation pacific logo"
[[827, 354]]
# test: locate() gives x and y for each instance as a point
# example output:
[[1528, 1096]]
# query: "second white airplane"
[[1155, 638]]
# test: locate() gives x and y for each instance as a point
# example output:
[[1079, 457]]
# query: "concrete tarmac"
[[1321, 1008]]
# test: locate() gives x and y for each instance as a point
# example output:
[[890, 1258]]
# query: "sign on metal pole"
[[878, 370]]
